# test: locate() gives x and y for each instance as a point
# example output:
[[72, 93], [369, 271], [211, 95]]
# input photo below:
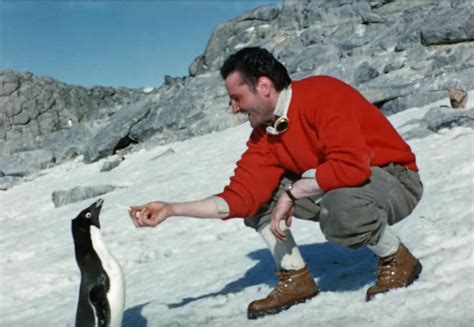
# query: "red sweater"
[[332, 128]]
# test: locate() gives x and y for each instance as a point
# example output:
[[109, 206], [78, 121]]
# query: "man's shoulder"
[[317, 80]]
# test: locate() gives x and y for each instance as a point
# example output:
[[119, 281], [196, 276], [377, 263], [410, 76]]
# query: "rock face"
[[32, 107], [397, 53]]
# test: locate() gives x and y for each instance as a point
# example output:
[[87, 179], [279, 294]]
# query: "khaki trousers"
[[355, 216]]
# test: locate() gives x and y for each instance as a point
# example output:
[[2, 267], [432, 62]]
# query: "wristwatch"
[[288, 188]]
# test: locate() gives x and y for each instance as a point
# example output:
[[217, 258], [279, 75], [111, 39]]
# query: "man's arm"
[[154, 213]]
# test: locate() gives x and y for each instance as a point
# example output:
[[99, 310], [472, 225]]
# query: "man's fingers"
[[133, 211], [288, 221], [148, 215], [275, 227], [279, 233]]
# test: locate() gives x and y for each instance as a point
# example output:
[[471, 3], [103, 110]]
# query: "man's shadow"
[[133, 317], [336, 268]]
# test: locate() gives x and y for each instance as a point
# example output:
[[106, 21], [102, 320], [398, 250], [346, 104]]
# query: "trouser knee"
[[260, 219], [350, 221]]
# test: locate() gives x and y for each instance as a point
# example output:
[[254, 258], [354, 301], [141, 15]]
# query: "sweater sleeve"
[[347, 157], [255, 178]]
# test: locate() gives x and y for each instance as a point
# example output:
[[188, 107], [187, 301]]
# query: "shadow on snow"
[[133, 317], [336, 269]]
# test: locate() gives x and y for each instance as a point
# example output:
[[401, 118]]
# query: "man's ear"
[[265, 85]]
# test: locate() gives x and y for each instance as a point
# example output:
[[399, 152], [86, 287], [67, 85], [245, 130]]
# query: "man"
[[319, 151]]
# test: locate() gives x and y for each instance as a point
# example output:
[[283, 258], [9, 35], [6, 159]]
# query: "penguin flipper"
[[98, 299]]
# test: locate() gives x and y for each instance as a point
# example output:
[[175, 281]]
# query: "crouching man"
[[318, 151]]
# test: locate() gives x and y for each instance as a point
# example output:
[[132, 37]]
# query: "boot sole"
[[263, 313]]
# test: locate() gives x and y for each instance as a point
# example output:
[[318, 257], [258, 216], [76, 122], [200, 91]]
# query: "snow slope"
[[192, 272]]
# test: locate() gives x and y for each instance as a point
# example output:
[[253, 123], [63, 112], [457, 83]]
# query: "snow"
[[204, 272]]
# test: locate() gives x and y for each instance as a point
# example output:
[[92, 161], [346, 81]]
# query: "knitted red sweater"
[[332, 128]]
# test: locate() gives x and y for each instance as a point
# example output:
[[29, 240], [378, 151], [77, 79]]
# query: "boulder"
[[112, 163], [114, 134], [80, 193], [448, 25], [444, 117], [7, 182], [24, 163]]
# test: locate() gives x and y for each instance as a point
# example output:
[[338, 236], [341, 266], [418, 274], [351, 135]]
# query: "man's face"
[[243, 99]]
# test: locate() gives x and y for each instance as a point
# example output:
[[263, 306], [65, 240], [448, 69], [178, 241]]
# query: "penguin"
[[102, 289]]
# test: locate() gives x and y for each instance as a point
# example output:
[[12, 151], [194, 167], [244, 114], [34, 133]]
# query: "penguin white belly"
[[116, 293]]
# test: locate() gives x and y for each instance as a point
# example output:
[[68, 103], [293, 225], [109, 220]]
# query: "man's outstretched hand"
[[151, 214]]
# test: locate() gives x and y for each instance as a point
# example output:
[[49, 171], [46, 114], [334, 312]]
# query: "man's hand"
[[151, 214], [283, 210]]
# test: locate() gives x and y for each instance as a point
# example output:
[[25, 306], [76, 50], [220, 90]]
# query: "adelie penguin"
[[102, 290]]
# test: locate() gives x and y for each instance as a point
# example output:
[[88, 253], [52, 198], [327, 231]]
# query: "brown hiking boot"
[[295, 286], [396, 271]]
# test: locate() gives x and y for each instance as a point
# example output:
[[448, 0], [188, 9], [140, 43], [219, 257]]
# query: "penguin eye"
[[88, 215]]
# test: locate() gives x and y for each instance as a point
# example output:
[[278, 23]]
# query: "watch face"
[[288, 187]]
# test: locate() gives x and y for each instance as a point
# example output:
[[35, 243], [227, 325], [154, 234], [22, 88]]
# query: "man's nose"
[[234, 106]]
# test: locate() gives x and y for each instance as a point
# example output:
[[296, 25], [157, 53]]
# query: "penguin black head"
[[89, 216]]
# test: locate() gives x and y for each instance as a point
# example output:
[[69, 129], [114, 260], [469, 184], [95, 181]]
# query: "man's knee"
[[261, 218], [350, 221], [253, 222]]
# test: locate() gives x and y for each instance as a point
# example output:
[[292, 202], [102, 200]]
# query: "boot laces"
[[280, 288], [386, 268]]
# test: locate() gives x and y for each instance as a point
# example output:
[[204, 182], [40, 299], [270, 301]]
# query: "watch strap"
[[290, 195]]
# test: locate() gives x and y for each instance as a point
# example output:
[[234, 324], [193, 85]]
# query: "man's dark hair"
[[253, 63]]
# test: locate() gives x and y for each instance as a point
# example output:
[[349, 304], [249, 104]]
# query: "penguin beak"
[[98, 204], [96, 207]]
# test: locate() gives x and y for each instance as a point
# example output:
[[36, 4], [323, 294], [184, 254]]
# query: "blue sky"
[[111, 43]]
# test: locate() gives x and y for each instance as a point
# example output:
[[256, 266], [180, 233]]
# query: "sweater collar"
[[280, 124], [283, 102]]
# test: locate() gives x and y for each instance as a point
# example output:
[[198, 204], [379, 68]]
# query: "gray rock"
[[457, 26], [364, 73], [416, 99], [438, 118], [352, 40], [109, 137], [266, 14], [390, 67], [32, 106], [80, 193], [25, 163], [9, 83], [182, 112], [7, 182], [312, 35], [112, 163], [197, 66], [445, 117]]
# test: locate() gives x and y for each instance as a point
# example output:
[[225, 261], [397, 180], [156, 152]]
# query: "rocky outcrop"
[[437, 118], [32, 106], [399, 54], [80, 193]]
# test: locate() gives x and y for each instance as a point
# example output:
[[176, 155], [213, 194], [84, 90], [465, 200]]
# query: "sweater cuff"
[[310, 173], [221, 204]]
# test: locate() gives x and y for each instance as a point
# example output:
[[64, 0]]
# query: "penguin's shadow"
[[336, 269], [133, 317]]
